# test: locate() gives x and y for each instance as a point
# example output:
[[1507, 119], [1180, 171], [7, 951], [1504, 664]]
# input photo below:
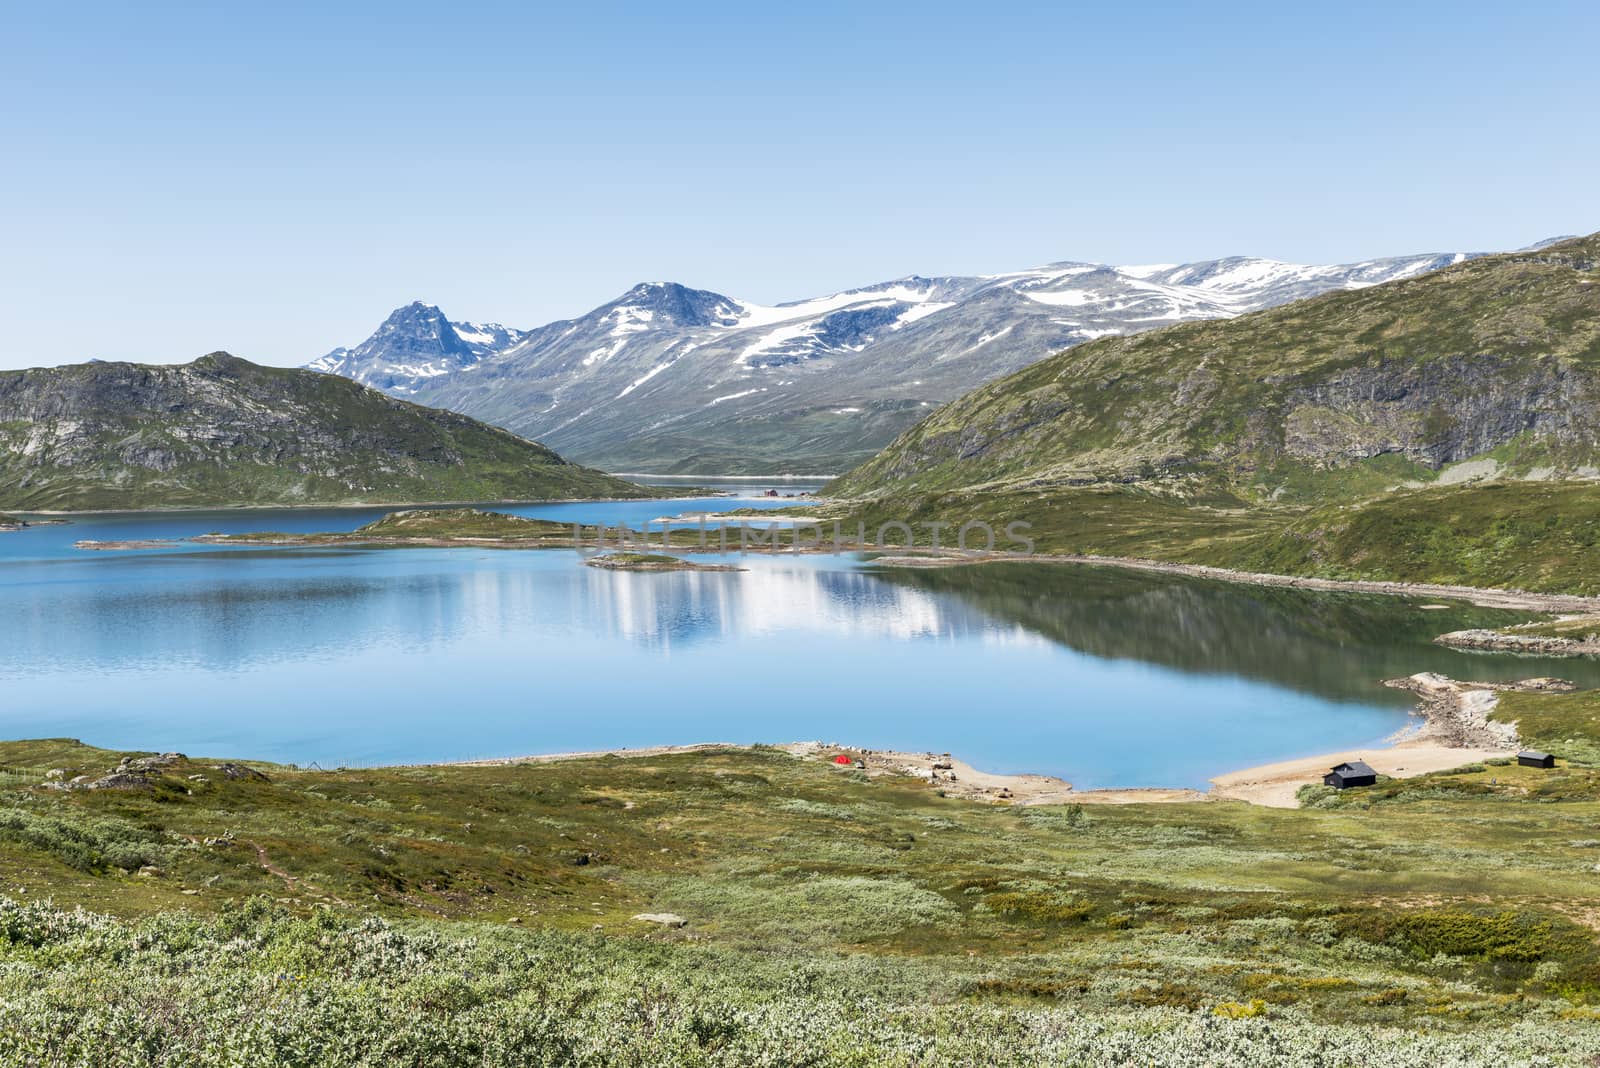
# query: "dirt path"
[[1488, 598]]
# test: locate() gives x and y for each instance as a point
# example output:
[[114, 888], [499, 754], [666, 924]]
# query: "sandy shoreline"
[[1455, 730], [1275, 785]]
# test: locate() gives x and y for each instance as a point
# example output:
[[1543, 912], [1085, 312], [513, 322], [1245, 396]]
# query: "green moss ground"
[[1451, 906]]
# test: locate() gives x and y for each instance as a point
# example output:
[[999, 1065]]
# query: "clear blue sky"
[[273, 178]]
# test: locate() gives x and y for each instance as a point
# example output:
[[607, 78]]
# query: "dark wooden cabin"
[[1533, 758], [1353, 773]]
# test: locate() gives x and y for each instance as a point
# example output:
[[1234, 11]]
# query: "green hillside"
[[1439, 429], [222, 431], [1488, 367], [744, 906]]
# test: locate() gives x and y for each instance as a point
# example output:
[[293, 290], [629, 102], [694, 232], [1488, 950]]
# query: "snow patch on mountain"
[[697, 362]]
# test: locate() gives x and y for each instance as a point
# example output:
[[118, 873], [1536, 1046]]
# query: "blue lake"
[[357, 657]]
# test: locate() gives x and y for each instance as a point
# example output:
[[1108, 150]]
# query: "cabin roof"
[[1353, 767], [1536, 754]]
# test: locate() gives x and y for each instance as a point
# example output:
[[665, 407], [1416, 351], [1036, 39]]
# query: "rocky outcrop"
[[1457, 714], [1440, 411], [1532, 644], [131, 773], [238, 772]]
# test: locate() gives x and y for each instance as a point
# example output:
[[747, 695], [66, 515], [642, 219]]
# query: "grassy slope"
[[811, 893], [1529, 535], [1537, 536], [1172, 445], [1565, 724], [222, 431], [1220, 400]]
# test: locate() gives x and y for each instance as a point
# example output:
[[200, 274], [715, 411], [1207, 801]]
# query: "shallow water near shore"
[[348, 656]]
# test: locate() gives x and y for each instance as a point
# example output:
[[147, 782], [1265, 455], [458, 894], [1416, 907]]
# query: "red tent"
[[843, 759]]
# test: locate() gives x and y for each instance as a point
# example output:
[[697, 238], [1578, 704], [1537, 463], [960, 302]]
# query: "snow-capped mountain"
[[416, 343], [671, 379]]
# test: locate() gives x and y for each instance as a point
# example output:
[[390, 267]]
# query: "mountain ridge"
[[221, 431], [1494, 361], [671, 379]]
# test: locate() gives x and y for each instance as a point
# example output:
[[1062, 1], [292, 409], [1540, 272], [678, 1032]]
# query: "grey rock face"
[[1441, 411], [414, 344]]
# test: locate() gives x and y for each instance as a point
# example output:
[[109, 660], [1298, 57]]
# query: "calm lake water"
[[371, 656]]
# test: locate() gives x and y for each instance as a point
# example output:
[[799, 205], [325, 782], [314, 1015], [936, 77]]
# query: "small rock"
[[665, 919], [514, 919], [150, 871], [56, 773], [239, 771]]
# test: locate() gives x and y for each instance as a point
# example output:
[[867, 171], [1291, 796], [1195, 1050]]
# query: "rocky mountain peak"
[[678, 305]]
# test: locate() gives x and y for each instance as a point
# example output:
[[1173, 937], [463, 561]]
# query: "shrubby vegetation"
[[260, 985], [474, 915]]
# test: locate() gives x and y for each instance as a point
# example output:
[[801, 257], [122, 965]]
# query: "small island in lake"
[[10, 522], [435, 528], [425, 528], [652, 562]]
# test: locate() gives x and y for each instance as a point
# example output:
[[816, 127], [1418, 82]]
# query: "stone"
[[665, 919], [236, 772], [151, 763], [121, 780]]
